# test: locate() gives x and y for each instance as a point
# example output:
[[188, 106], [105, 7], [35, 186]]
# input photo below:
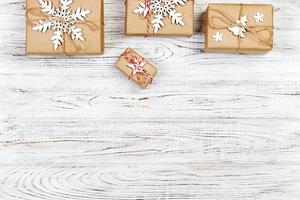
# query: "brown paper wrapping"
[[249, 44], [40, 43], [136, 25], [122, 65]]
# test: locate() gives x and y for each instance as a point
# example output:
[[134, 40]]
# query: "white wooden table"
[[212, 126]]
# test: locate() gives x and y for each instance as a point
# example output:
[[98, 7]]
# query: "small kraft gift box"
[[239, 28], [136, 68], [64, 27], [159, 17]]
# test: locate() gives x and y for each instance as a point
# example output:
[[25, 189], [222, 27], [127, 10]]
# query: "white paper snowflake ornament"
[[137, 66], [259, 17], [61, 21], [218, 37], [239, 29], [142, 9], [161, 9], [158, 23]]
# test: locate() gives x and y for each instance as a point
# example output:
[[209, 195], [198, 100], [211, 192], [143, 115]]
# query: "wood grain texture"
[[212, 126]]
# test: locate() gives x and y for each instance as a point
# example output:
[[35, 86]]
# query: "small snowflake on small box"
[[161, 9], [61, 21], [218, 37], [136, 66], [259, 17]]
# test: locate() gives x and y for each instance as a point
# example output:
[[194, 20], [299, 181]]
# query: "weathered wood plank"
[[155, 181]]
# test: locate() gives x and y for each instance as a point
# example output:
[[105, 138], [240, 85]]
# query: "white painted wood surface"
[[212, 126]]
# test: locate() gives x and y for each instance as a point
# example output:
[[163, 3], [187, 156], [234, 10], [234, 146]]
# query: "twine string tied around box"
[[229, 21], [32, 13]]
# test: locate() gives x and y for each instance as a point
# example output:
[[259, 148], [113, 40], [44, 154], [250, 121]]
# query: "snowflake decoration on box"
[[218, 37], [161, 9], [61, 21], [259, 17], [136, 66]]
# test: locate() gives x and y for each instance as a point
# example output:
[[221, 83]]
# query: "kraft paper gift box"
[[159, 17], [136, 68], [239, 28], [64, 27]]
